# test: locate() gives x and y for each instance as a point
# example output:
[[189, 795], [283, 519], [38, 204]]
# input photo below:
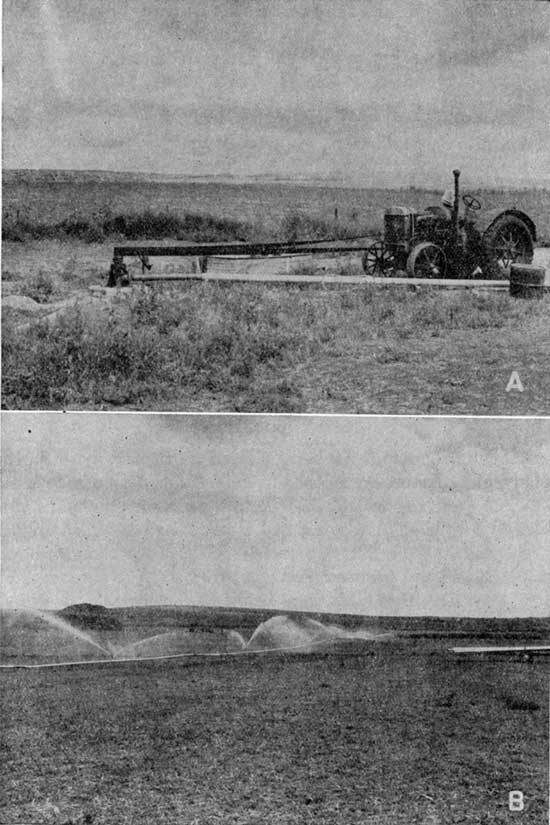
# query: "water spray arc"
[[66, 627], [277, 634]]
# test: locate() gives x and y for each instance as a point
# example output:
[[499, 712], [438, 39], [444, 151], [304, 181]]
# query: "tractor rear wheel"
[[507, 241], [427, 261]]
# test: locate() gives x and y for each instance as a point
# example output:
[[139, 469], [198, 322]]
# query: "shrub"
[[520, 701], [85, 230], [41, 287], [132, 226], [9, 275], [299, 226], [233, 347], [22, 228], [97, 227]]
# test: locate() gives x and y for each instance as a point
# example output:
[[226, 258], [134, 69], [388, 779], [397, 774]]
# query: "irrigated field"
[[365, 732]]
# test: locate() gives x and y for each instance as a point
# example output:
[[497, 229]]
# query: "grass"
[[201, 228], [257, 348], [130, 226], [38, 197], [394, 732], [251, 348], [41, 286]]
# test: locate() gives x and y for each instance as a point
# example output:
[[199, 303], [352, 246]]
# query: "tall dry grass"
[[152, 225], [236, 343]]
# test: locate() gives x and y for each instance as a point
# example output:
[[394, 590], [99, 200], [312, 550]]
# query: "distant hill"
[[82, 176], [88, 616], [39, 177], [45, 176]]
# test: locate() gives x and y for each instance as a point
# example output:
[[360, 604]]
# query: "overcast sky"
[[379, 91], [374, 516]]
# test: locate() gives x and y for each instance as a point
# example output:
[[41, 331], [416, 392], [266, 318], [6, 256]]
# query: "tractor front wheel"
[[427, 261], [507, 241], [378, 259]]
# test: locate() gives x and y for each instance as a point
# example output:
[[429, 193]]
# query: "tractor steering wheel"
[[471, 203]]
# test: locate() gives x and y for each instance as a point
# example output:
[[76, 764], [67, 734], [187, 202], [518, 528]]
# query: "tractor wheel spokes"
[[427, 261], [378, 260], [508, 240], [508, 248]]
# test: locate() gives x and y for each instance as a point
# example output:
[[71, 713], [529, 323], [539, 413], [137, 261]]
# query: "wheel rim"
[[430, 263], [377, 260], [510, 245]]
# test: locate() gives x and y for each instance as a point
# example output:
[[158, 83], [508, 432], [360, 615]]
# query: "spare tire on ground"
[[527, 281]]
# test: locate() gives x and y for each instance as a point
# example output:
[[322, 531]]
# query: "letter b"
[[515, 800]]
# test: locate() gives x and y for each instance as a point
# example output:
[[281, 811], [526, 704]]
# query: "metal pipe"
[[192, 250]]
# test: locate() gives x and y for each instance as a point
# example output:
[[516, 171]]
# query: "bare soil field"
[[358, 732]]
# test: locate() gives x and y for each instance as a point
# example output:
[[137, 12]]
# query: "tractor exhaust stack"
[[456, 173]]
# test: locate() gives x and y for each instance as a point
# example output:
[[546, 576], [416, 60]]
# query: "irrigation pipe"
[[115, 661]]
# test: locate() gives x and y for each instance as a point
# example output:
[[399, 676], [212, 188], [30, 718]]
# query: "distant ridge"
[[11, 176], [98, 176], [203, 616]]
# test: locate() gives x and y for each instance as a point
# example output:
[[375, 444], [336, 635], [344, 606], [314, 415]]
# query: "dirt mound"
[[20, 303]]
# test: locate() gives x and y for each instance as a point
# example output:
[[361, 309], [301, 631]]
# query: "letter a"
[[514, 383]]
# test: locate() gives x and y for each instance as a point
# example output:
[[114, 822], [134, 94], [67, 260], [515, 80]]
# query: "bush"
[[233, 347], [210, 339], [190, 226], [131, 226], [8, 275], [297, 226], [41, 287], [82, 229], [22, 228]]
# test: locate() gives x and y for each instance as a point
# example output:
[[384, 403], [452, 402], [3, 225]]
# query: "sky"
[[376, 516], [379, 92]]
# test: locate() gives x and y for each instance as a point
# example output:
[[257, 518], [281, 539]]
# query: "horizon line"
[[284, 610], [335, 179]]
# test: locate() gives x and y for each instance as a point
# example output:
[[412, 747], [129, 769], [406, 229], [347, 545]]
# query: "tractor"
[[450, 241]]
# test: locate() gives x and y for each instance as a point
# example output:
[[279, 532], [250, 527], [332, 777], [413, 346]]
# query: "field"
[[54, 197], [251, 348], [258, 348], [387, 731]]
